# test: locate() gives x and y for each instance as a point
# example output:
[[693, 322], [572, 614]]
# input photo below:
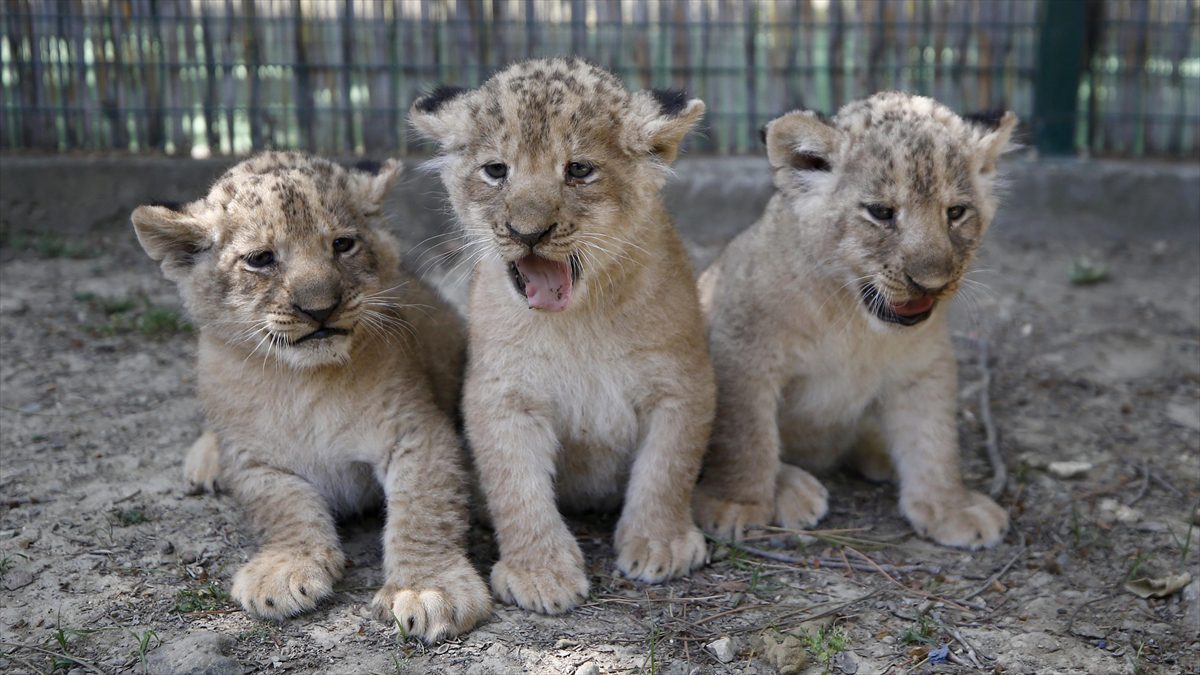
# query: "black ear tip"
[[988, 119], [437, 98], [671, 101], [368, 166]]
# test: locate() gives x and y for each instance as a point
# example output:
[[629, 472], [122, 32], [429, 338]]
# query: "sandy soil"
[[109, 566]]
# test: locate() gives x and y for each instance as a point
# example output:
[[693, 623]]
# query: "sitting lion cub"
[[330, 378], [589, 382], [827, 319]]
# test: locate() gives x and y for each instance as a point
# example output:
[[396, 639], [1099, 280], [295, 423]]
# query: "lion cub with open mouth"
[[827, 319], [330, 377], [588, 382]]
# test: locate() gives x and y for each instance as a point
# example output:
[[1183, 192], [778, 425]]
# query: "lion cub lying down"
[[589, 382], [331, 378], [827, 319]]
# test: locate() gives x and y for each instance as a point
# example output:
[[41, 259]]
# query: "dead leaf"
[[1159, 587]]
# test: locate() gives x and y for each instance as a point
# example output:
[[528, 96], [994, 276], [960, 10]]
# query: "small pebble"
[[1113, 510], [589, 668], [1069, 469], [722, 649]]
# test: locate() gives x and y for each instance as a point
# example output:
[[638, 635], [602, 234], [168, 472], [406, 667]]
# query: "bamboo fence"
[[203, 77]]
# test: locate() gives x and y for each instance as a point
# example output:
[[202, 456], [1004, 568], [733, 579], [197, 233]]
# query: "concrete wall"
[[712, 198]]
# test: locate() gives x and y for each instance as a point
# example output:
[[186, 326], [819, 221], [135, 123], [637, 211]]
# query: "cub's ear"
[[442, 116], [801, 148], [658, 121], [996, 140], [170, 237], [372, 182]]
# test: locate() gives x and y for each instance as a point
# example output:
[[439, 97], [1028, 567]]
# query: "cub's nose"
[[318, 315], [929, 286], [530, 239]]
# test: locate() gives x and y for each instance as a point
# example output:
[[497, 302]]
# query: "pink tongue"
[[548, 283], [914, 307]]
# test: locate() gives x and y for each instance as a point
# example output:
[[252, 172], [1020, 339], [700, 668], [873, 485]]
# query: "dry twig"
[[87, 665], [834, 563], [996, 577], [961, 606], [954, 633], [1145, 470]]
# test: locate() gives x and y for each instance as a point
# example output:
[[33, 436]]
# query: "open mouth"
[[321, 334], [545, 284], [908, 313]]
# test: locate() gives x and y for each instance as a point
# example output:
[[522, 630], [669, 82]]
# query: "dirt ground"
[[108, 566]]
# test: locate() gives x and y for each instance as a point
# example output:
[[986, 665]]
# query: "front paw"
[[727, 519], [973, 521], [202, 465], [436, 606], [283, 582], [800, 499], [549, 586], [654, 558]]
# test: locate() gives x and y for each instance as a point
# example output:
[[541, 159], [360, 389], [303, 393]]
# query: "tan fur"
[[308, 431], [611, 400], [806, 372]]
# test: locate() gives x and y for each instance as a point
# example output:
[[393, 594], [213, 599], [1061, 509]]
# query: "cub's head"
[[553, 166], [283, 258], [902, 189]]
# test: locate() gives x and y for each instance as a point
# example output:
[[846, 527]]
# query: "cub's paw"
[[202, 464], [728, 519], [279, 583], [550, 586], [436, 606], [800, 499], [652, 559], [972, 522]]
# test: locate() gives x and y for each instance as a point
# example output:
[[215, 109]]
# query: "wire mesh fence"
[[200, 77]]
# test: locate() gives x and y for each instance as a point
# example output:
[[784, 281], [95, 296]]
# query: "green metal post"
[[1060, 66]]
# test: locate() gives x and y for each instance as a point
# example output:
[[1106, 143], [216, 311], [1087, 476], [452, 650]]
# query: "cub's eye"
[[579, 170], [496, 170], [343, 244], [880, 212], [956, 212], [260, 259]]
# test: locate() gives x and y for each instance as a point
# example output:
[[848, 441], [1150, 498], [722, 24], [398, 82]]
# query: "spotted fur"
[[304, 429], [611, 400], [812, 362]]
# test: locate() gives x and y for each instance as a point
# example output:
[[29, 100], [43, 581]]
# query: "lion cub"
[[827, 322], [588, 383], [330, 378]]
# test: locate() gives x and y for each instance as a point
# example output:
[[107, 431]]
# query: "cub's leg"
[[656, 538], [300, 557], [202, 465], [430, 588], [918, 421], [541, 565], [745, 484]]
